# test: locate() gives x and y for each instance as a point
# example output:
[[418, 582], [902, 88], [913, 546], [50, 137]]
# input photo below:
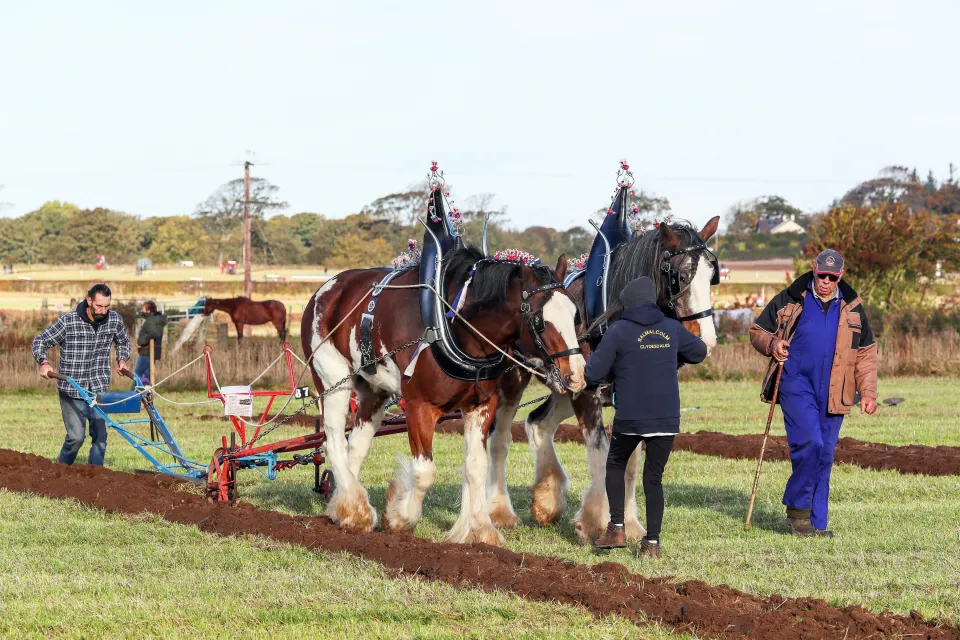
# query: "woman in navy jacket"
[[643, 351]]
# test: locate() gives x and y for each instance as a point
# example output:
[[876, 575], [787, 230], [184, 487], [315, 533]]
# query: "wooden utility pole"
[[247, 281]]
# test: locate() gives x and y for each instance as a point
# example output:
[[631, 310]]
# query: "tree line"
[[62, 233]]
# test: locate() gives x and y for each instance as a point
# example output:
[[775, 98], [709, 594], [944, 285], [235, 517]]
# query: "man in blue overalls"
[[818, 331]]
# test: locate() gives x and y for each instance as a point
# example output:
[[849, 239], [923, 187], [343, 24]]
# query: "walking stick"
[[763, 446]]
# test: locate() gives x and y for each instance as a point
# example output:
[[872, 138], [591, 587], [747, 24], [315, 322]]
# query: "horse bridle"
[[538, 326], [676, 285]]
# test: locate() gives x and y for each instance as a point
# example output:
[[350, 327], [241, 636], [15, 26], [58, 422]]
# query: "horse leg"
[[550, 481], [414, 476], [349, 506], [474, 524], [594, 515], [239, 326], [372, 402], [631, 521], [498, 497]]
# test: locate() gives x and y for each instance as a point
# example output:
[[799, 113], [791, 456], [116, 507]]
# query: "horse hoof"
[[503, 517], [549, 502], [634, 530], [356, 516], [486, 534]]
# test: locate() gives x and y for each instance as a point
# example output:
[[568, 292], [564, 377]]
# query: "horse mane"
[[641, 257], [490, 283]]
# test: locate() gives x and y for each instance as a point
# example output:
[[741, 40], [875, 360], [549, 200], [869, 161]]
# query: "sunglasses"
[[828, 276]]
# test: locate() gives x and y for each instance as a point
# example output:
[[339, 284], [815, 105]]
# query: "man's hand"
[[45, 370], [121, 367], [781, 350], [868, 406]]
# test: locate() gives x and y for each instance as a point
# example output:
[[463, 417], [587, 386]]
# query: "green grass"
[[897, 544]]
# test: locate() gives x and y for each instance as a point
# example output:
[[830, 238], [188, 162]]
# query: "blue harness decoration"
[[614, 231], [439, 238]]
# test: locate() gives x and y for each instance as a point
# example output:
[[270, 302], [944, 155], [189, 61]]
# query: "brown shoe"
[[823, 533], [613, 538], [799, 521], [649, 548]]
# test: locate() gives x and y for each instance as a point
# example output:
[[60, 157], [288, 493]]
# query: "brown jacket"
[[855, 357]]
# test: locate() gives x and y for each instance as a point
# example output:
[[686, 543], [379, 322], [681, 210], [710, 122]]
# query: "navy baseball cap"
[[829, 261]]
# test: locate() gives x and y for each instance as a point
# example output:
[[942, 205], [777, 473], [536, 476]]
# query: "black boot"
[[799, 521]]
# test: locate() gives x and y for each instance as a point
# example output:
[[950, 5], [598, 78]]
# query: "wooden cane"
[[763, 446]]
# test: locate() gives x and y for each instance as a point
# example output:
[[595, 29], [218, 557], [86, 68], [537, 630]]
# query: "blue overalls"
[[804, 391]]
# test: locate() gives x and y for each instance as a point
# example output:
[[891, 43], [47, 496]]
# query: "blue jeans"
[[76, 414], [142, 369]]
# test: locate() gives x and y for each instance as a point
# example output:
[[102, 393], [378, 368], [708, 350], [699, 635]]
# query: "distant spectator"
[[152, 329]]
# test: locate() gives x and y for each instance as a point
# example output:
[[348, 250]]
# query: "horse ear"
[[669, 238], [561, 269], [710, 228]]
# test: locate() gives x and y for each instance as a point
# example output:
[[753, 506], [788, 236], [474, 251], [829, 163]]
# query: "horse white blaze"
[[560, 312], [700, 294]]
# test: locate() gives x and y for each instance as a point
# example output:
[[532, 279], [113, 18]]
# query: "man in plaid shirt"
[[84, 336]]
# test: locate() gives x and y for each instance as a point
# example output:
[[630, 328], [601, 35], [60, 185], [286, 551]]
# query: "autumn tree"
[[890, 253]]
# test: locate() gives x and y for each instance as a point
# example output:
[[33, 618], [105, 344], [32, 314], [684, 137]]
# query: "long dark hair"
[[641, 257], [491, 282]]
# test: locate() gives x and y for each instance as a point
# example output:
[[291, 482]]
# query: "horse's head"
[[690, 269], [549, 330], [207, 305]]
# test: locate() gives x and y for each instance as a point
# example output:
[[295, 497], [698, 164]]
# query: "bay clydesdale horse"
[[496, 307], [643, 255], [244, 311]]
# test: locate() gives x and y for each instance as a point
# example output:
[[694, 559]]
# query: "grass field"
[[897, 544]]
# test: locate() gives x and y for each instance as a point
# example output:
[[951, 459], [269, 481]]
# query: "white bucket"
[[238, 401]]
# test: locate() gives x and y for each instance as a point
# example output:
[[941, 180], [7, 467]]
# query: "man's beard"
[[99, 317]]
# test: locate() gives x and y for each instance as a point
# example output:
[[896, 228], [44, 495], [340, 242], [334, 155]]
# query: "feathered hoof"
[[634, 530], [503, 517], [549, 501], [356, 515], [487, 534]]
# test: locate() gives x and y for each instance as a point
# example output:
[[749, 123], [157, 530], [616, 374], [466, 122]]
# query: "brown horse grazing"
[[507, 302], [244, 311], [643, 255]]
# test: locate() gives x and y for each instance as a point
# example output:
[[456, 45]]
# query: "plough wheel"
[[222, 478], [327, 484]]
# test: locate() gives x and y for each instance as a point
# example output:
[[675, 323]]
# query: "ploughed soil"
[[603, 589], [931, 461]]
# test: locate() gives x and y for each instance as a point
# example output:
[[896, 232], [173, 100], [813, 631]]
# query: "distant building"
[[779, 224]]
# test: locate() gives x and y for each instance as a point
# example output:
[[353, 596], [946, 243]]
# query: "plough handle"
[[57, 376]]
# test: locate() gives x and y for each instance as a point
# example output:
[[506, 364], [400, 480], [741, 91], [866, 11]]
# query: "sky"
[[148, 107]]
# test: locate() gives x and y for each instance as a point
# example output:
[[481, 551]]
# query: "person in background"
[[643, 351], [152, 329], [84, 336]]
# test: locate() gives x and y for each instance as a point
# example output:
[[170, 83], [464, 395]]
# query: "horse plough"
[[243, 449]]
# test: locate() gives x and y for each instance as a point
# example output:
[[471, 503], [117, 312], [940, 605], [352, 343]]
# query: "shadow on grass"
[[732, 503]]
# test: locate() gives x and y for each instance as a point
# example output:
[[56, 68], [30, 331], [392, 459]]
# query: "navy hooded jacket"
[[642, 350]]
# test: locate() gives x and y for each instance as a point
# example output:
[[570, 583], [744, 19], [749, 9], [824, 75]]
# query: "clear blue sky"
[[144, 107]]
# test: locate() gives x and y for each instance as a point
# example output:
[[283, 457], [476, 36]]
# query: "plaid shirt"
[[84, 349]]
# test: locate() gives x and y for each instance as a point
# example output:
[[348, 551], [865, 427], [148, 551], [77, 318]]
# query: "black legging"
[[658, 452]]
